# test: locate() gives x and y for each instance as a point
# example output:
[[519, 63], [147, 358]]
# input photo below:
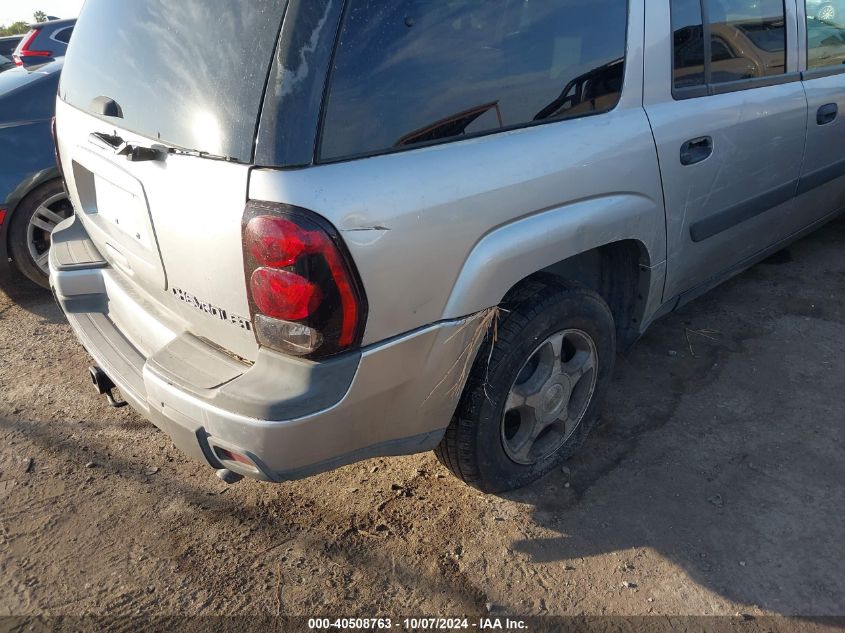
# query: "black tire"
[[473, 448], [19, 230]]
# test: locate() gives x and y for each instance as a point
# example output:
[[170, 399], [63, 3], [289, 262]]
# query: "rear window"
[[8, 46], [63, 35], [190, 73], [410, 72]]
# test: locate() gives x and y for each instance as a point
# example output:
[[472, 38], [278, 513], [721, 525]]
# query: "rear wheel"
[[32, 225], [531, 401]]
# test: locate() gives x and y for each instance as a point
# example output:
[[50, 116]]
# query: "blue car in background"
[[8, 44], [45, 42], [32, 195], [826, 10]]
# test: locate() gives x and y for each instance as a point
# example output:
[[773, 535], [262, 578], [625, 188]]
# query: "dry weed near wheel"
[[532, 395]]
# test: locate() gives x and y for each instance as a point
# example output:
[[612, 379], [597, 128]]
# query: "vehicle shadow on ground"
[[720, 446], [31, 297], [724, 456], [268, 527]]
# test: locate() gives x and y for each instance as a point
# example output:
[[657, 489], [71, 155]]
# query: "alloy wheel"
[[550, 396], [41, 226]]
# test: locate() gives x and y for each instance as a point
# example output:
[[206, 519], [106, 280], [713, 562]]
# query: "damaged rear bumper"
[[289, 418]]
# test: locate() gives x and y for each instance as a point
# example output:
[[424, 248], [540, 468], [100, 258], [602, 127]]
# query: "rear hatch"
[[178, 85]]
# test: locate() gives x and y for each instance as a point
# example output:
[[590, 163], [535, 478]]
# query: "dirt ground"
[[713, 485]]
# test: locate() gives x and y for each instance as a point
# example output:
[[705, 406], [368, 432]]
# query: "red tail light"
[[305, 297], [284, 295], [24, 50]]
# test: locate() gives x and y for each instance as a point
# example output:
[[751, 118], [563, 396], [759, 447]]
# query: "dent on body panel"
[[414, 220]]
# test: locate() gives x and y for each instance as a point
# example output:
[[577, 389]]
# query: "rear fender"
[[14, 199], [515, 251]]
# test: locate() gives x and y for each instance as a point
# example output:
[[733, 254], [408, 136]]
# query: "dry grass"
[[482, 322]]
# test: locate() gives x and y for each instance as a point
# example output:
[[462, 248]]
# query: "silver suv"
[[311, 232]]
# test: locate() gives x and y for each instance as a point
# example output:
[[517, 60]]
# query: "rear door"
[[184, 79], [822, 188], [728, 113]]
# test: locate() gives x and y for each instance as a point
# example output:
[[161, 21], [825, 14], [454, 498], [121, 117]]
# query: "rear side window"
[[411, 72], [825, 34], [688, 37], [739, 40], [749, 37], [8, 46], [63, 35], [191, 73]]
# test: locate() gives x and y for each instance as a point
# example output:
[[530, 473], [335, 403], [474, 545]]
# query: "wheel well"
[[619, 272], [23, 191]]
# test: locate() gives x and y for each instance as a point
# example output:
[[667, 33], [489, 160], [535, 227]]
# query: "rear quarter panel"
[[442, 232]]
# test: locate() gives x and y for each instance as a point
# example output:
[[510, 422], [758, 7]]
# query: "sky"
[[15, 10]]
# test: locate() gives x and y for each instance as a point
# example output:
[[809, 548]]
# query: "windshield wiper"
[[139, 153], [133, 153]]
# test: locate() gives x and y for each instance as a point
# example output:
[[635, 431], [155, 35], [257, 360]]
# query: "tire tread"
[[457, 451]]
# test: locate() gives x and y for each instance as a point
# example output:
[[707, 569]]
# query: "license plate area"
[[124, 210], [114, 209]]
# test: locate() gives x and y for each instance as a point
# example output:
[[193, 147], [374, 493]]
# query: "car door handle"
[[827, 114], [696, 150]]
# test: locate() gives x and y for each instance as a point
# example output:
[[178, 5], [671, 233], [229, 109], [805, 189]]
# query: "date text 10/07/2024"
[[418, 624]]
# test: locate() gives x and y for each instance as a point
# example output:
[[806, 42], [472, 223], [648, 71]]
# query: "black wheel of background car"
[[530, 403], [827, 13], [32, 225]]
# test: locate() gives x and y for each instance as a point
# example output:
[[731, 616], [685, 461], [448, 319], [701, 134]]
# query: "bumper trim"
[[124, 364], [292, 418]]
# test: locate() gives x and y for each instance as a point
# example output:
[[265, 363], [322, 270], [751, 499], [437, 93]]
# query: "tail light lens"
[[305, 296], [24, 50]]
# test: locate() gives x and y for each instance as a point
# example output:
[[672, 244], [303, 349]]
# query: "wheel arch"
[[25, 187], [618, 272], [17, 195], [614, 245]]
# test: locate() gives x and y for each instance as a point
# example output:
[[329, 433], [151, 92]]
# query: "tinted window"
[[415, 71], [748, 39], [8, 46], [63, 35], [191, 73], [825, 35], [688, 37]]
